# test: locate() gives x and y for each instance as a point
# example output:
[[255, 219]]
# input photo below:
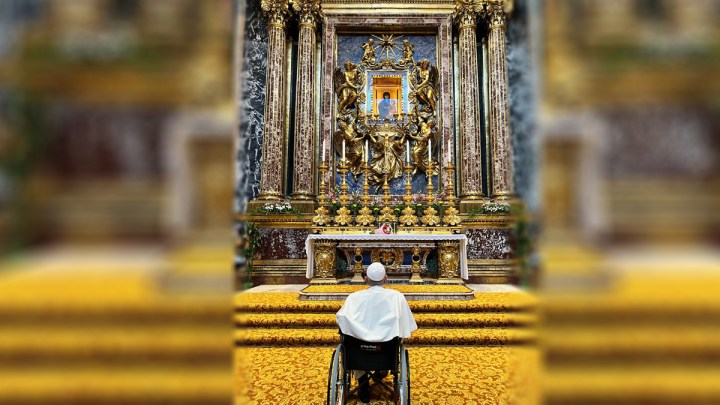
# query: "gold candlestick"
[[322, 216], [451, 217], [343, 217], [430, 218], [386, 214], [408, 217], [365, 216]]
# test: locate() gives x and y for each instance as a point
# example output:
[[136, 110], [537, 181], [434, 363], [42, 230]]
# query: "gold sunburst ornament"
[[388, 44]]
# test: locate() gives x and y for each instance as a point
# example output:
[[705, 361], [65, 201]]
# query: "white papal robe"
[[377, 314]]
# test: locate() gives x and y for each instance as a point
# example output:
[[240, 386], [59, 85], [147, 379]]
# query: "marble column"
[[469, 109], [273, 148], [500, 142], [308, 12]]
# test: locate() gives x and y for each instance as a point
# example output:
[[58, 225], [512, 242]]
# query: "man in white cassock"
[[377, 314]]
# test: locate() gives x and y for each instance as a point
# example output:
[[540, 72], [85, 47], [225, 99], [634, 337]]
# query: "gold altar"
[[400, 117]]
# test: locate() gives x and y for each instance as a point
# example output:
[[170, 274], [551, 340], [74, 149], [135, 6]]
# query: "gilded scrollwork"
[[390, 257], [325, 260], [449, 259]]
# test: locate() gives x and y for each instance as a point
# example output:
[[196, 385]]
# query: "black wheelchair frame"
[[355, 354]]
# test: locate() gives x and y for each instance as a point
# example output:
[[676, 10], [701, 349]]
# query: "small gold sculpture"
[[415, 266], [358, 265]]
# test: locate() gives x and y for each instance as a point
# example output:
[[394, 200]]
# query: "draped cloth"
[[377, 314]]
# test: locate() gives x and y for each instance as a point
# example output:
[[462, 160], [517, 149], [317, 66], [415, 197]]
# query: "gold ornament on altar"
[[325, 261], [449, 260]]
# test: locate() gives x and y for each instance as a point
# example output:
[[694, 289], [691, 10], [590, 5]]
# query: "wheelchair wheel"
[[337, 379], [402, 383]]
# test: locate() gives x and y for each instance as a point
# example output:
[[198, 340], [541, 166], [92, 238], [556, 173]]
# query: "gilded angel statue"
[[408, 50], [419, 153], [369, 54], [346, 86], [354, 150], [427, 82]]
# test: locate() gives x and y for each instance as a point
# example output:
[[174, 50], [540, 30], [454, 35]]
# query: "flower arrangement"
[[495, 208], [491, 207], [282, 207]]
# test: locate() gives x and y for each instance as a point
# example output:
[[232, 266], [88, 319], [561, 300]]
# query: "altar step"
[[283, 320]]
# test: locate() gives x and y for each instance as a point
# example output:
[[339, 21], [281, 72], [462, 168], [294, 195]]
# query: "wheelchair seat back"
[[362, 355]]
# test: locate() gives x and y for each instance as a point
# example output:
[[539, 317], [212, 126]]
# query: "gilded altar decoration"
[[387, 149], [325, 261], [449, 260], [389, 124], [390, 257]]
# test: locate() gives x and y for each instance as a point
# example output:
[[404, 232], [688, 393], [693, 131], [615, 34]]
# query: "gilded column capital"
[[496, 14], [309, 12], [466, 13], [276, 12]]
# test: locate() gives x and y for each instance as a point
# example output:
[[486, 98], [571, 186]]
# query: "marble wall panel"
[[281, 243], [490, 243], [250, 105], [523, 84]]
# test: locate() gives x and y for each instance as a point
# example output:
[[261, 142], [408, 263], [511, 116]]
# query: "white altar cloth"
[[310, 247]]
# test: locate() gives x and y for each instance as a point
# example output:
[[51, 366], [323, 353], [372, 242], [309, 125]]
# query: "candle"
[[343, 148], [367, 153], [430, 150], [407, 152], [323, 151]]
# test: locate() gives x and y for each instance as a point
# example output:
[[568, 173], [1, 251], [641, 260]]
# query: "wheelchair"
[[355, 354]]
